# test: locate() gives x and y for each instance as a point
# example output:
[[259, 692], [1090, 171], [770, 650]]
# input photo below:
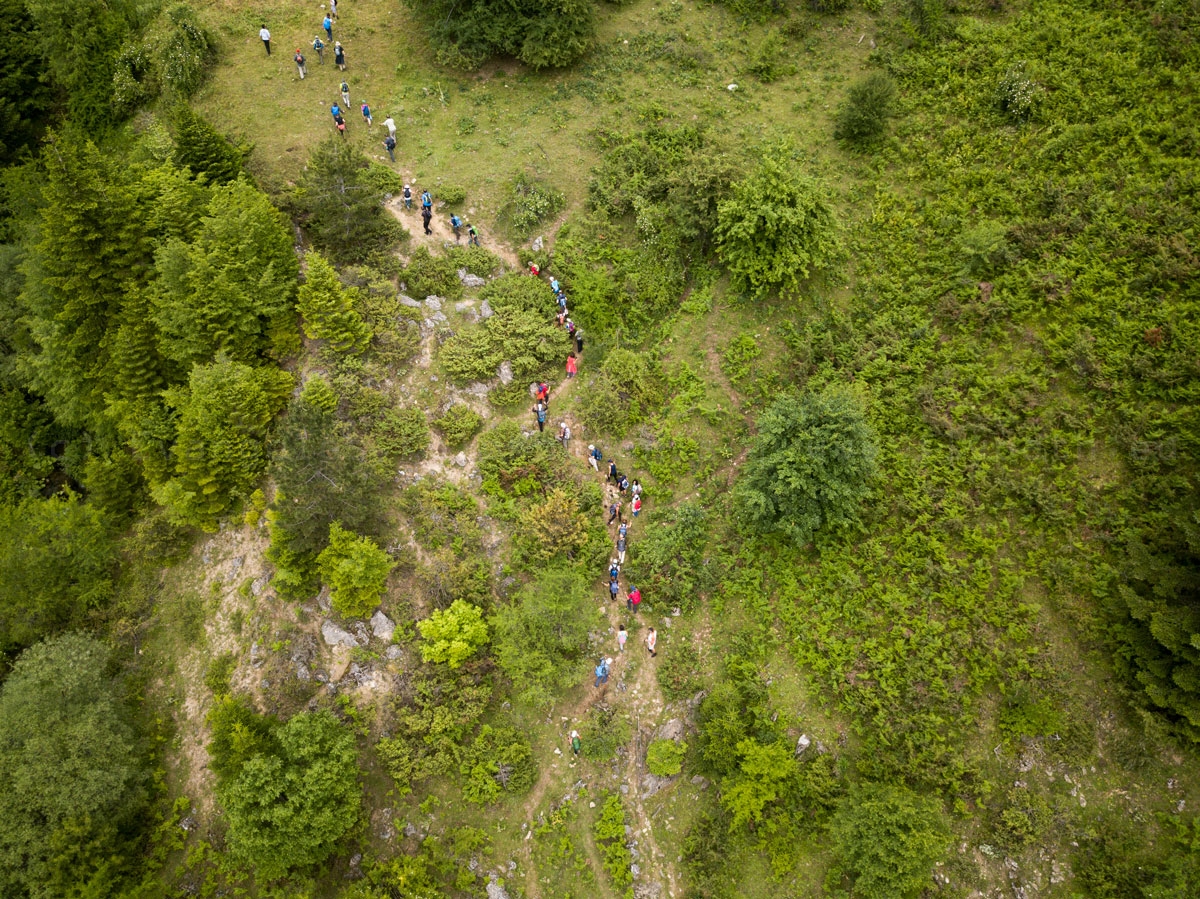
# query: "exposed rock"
[[359, 629], [257, 656], [410, 302], [461, 460], [802, 744], [339, 664], [485, 309], [439, 317], [323, 600], [259, 584], [652, 783], [393, 652], [701, 782], [538, 243], [495, 891], [336, 636], [302, 672], [505, 372], [479, 389], [470, 280], [362, 675], [672, 730], [434, 303], [382, 626]]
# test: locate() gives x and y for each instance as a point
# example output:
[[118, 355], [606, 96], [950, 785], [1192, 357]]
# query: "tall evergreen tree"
[[204, 149], [25, 99], [344, 209], [328, 308]]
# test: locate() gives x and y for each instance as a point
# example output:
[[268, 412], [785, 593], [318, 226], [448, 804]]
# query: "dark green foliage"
[[530, 201], [499, 761], [928, 18], [289, 809], [1115, 860], [530, 341], [343, 210], [224, 414], [220, 669], [541, 636], [329, 310], [769, 60], [476, 260], [459, 424], [669, 561], [679, 673], [811, 466], [238, 734], [754, 10], [24, 96], [57, 563], [399, 434], [233, 288], [512, 463], [604, 731], [775, 230], [204, 149], [71, 782], [519, 291], [610, 838], [540, 33], [627, 391], [184, 52], [862, 118], [429, 275], [886, 839], [26, 433]]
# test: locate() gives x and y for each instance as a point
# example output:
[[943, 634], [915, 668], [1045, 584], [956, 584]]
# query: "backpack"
[[601, 670], [427, 199], [614, 572], [389, 142], [455, 221]]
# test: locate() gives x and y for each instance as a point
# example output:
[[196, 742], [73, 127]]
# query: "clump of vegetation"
[[540, 33], [428, 275], [862, 118], [610, 837], [451, 194], [664, 758], [356, 571], [458, 424], [604, 731], [498, 761], [451, 636], [669, 560], [1017, 94], [811, 466], [329, 310], [529, 203], [629, 388]]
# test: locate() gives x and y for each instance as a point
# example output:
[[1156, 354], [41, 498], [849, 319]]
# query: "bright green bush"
[[863, 116], [328, 309], [317, 394], [886, 840], [499, 760], [428, 275], [476, 260], [776, 229], [458, 424], [664, 758], [400, 434], [451, 194], [453, 635], [610, 837], [811, 466], [517, 290], [529, 203], [762, 772], [668, 560], [356, 571], [629, 389], [529, 340]]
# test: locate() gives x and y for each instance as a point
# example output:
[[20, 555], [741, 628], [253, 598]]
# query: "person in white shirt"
[[390, 125], [266, 38]]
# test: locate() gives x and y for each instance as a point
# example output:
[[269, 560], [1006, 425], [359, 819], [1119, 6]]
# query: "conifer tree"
[[204, 149], [224, 414], [344, 209], [328, 309]]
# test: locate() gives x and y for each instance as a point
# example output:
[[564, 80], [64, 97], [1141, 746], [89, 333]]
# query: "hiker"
[[539, 409], [456, 227], [637, 505], [621, 544], [407, 189], [623, 528], [390, 124], [266, 38], [602, 672], [333, 9], [534, 270], [623, 484], [335, 111], [339, 56], [572, 367], [613, 511], [622, 636], [594, 457], [426, 218], [613, 589], [576, 745], [319, 48], [366, 111], [562, 301], [327, 24], [472, 236], [562, 317], [614, 569], [578, 340], [570, 329], [636, 489], [389, 144], [542, 393], [345, 89], [554, 283], [341, 125], [426, 200], [299, 59], [612, 471], [635, 597], [651, 642], [564, 434]]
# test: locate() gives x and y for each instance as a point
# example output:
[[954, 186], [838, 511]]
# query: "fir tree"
[[204, 149], [328, 309]]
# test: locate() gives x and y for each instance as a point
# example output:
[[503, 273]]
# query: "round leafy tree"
[[453, 635], [886, 839], [289, 809], [776, 229], [811, 465], [356, 571]]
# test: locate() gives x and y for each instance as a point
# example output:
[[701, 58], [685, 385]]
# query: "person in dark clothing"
[[389, 144], [612, 471], [427, 217]]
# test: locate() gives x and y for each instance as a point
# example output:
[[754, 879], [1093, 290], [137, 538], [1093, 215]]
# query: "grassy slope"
[[475, 130]]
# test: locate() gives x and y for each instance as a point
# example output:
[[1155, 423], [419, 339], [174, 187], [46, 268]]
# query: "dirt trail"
[[442, 234]]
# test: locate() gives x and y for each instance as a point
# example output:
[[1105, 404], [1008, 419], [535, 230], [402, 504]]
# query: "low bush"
[[429, 275], [862, 118], [356, 571], [451, 636], [499, 760], [610, 837], [664, 758], [604, 731], [458, 424], [529, 203]]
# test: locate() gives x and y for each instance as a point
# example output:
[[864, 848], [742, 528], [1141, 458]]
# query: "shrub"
[[400, 434], [603, 732], [928, 18], [555, 526], [476, 260], [664, 758], [533, 345], [983, 248], [629, 389], [517, 290], [775, 230], [762, 770], [356, 571], [318, 395], [220, 669], [329, 310], [453, 635], [863, 116], [810, 467], [428, 275], [184, 53], [669, 558], [459, 424], [499, 760], [679, 673], [529, 203], [540, 33], [1017, 94], [451, 194], [610, 837], [886, 840], [767, 64]]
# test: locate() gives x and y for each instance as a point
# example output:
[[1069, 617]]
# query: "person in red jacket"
[[635, 597], [571, 365]]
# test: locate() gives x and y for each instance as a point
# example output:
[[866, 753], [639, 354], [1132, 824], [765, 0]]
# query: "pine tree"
[[345, 210], [204, 149], [328, 309]]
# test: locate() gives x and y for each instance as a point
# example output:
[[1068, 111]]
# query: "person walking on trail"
[[265, 36], [539, 410], [366, 112], [456, 227], [570, 330], [636, 489], [612, 470], [578, 340], [534, 269], [576, 744], [542, 393], [651, 642], [564, 434], [623, 484], [407, 189], [472, 235], [327, 24], [621, 544], [390, 124], [426, 200], [614, 569], [554, 284], [339, 56], [613, 511], [319, 49], [614, 588], [637, 506], [389, 144], [622, 636], [345, 89], [572, 365], [335, 111], [341, 125], [635, 598], [594, 457], [602, 670], [333, 9], [426, 218], [623, 528], [299, 59]]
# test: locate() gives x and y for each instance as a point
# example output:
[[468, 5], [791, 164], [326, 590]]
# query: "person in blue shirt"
[[426, 200], [335, 111], [602, 672], [328, 26], [456, 226], [319, 47]]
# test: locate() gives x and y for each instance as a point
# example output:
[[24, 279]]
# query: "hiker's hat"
[[591, 446]]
